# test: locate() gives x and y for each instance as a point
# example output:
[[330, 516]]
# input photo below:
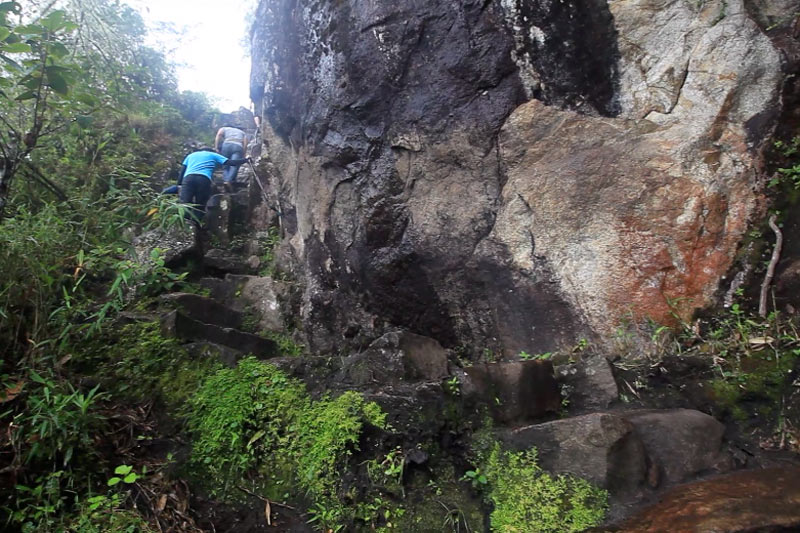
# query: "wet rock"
[[681, 443], [516, 391], [395, 358], [600, 447], [177, 324], [224, 261], [766, 501], [175, 244], [205, 310], [591, 383]]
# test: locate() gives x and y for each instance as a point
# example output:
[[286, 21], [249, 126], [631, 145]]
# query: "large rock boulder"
[[627, 452], [511, 174], [600, 447], [680, 443]]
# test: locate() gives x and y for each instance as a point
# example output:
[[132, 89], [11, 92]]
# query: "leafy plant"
[[526, 498], [254, 416]]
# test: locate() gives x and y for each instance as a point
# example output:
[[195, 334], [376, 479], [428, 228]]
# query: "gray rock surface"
[[512, 174], [681, 443], [591, 383], [600, 447], [174, 243]]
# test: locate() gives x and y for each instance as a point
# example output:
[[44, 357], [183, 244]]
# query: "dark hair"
[[205, 149]]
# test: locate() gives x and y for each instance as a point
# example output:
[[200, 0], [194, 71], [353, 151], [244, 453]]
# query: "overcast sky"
[[206, 39]]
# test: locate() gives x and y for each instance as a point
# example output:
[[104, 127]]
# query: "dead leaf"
[[152, 211], [12, 392], [162, 503], [268, 513]]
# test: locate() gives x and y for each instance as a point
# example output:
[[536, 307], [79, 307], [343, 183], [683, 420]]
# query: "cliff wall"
[[512, 174]]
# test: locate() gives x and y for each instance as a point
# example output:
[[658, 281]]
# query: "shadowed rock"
[[592, 383], [205, 310], [511, 175], [514, 392], [394, 358], [177, 324]]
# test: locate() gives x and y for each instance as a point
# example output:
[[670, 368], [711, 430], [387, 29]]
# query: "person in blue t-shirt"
[[196, 176]]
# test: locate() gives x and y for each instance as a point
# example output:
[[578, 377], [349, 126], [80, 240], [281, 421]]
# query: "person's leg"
[[231, 151], [202, 194], [188, 195]]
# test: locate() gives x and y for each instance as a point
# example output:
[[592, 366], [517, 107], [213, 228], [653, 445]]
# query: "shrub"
[[528, 499], [254, 419]]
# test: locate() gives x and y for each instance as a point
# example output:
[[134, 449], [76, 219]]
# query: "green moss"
[[254, 418], [528, 499]]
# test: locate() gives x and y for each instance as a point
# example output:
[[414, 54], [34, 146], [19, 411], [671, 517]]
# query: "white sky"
[[207, 40]]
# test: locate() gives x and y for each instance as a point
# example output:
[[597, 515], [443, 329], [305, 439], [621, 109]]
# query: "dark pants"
[[196, 190], [231, 151]]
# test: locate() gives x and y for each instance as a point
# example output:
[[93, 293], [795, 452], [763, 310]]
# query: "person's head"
[[205, 149]]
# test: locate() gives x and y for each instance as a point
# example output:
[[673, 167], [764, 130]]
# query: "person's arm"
[[236, 162], [181, 174], [217, 139]]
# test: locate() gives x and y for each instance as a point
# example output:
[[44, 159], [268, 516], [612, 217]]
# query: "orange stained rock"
[[739, 502]]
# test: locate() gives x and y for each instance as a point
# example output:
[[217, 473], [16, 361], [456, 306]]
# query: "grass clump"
[[528, 499], [254, 422]]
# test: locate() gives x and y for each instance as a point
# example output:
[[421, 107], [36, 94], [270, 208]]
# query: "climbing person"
[[196, 176], [232, 143]]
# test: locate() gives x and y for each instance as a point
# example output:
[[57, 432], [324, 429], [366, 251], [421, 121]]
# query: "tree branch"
[[41, 178]]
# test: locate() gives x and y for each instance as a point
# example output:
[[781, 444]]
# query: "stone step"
[[206, 310], [179, 325], [263, 295], [224, 211]]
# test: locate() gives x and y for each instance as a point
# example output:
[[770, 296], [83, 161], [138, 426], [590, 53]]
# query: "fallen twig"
[[265, 500], [776, 254]]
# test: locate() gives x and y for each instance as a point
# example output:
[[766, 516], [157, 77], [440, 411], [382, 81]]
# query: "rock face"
[[510, 174]]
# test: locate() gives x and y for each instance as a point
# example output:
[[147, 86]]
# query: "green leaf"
[[16, 48], [113, 481], [29, 95], [4, 32], [13, 7], [54, 21], [58, 50], [130, 478], [123, 470], [57, 82]]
